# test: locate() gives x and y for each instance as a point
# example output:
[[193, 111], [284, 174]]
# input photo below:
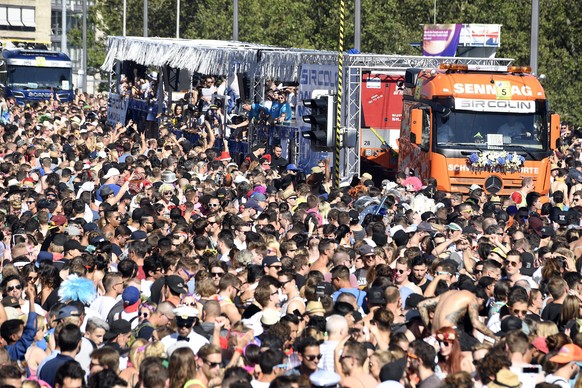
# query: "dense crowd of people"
[[161, 262]]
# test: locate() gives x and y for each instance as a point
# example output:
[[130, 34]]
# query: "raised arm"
[[473, 311], [424, 306]]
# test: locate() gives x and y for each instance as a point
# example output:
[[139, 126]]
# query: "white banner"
[[508, 106], [116, 109]]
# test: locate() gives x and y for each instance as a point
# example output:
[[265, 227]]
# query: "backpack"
[[115, 312]]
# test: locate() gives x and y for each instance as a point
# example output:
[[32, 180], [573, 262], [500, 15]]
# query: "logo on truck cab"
[[520, 90]]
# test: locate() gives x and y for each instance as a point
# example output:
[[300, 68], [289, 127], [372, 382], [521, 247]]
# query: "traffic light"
[[321, 121]]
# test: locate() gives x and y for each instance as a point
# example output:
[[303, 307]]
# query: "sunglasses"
[[277, 267], [512, 263], [445, 343], [212, 364], [213, 204], [520, 312], [167, 193], [16, 287], [143, 314], [217, 274], [400, 271], [187, 324], [313, 357]]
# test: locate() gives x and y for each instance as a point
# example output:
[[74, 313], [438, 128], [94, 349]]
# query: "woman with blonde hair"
[[182, 367], [136, 356], [546, 329], [39, 349], [377, 360]]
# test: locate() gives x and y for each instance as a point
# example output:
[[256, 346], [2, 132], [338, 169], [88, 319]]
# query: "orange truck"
[[474, 124]]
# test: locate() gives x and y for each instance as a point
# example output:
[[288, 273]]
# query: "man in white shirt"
[[113, 284], [185, 320]]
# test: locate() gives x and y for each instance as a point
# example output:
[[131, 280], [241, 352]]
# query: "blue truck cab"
[[35, 75]]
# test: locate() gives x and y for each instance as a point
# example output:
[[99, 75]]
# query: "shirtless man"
[[451, 307]]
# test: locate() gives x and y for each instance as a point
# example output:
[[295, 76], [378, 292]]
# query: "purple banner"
[[440, 40]]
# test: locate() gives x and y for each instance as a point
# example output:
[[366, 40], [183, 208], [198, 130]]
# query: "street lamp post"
[[145, 18], [235, 20], [357, 25], [84, 60], [124, 17], [535, 25], [64, 27], [177, 19]]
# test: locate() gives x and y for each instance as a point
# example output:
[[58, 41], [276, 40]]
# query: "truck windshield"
[[484, 129], [26, 77]]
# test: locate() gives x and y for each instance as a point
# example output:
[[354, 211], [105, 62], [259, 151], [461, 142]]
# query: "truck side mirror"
[[416, 126], [554, 130]]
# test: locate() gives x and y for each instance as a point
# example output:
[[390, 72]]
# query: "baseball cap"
[[376, 296], [292, 167], [454, 226], [117, 327], [568, 353], [131, 299], [68, 311], [270, 260], [112, 172], [425, 227], [74, 244], [176, 284], [138, 235], [365, 250], [540, 344], [59, 220]]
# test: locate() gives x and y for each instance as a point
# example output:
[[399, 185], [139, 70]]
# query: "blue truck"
[[35, 75]]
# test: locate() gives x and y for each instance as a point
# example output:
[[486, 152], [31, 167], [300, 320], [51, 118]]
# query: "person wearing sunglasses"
[[185, 319], [309, 354], [351, 358], [209, 365], [450, 357], [12, 286]]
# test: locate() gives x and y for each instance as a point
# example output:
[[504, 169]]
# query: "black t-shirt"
[[250, 311], [552, 313]]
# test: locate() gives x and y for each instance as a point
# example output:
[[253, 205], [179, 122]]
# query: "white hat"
[[186, 312], [112, 172], [101, 154], [240, 179]]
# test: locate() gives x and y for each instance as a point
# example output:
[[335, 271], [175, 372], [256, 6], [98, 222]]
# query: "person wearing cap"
[[175, 288], [567, 359], [118, 336], [272, 266], [185, 319]]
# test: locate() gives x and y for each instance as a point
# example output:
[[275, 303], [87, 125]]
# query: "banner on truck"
[[116, 109], [440, 40]]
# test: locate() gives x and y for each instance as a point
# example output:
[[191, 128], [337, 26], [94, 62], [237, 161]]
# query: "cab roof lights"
[[489, 68]]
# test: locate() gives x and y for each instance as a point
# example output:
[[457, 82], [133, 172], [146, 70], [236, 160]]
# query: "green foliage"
[[388, 27]]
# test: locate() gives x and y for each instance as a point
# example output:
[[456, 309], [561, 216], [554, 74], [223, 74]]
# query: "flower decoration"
[[446, 336], [494, 159]]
